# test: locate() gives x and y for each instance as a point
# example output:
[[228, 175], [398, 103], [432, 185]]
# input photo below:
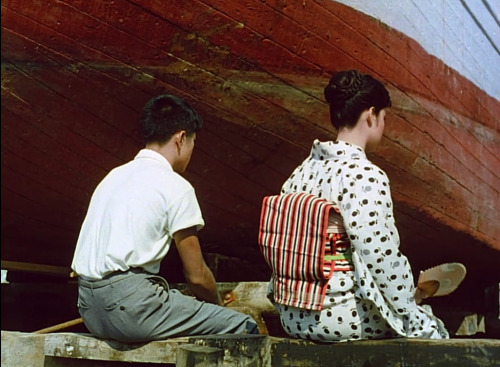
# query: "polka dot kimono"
[[376, 299]]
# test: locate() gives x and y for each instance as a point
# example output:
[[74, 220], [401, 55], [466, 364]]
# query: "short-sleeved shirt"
[[132, 217]]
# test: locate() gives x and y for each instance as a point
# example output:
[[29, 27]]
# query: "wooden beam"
[[60, 326], [36, 268]]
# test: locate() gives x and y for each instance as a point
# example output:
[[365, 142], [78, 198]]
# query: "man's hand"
[[199, 277]]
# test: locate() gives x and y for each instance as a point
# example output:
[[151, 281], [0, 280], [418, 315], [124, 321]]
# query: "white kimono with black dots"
[[377, 299]]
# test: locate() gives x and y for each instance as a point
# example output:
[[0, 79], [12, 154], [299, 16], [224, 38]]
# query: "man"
[[133, 216]]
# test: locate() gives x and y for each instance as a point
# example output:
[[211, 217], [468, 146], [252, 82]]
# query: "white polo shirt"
[[132, 217]]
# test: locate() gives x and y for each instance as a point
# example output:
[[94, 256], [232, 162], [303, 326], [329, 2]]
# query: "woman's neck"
[[352, 136]]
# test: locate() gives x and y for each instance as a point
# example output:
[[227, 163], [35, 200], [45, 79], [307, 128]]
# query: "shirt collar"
[[151, 154], [336, 149]]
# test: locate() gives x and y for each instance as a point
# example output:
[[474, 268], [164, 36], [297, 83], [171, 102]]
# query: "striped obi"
[[296, 242]]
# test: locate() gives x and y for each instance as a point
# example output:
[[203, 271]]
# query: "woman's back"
[[376, 298]]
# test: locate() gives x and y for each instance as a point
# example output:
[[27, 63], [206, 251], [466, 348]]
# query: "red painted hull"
[[75, 75]]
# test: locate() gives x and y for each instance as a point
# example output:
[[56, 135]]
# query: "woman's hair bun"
[[349, 93], [343, 86]]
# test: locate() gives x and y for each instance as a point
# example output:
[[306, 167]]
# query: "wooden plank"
[[36, 268], [81, 346], [59, 327], [22, 349], [85, 350], [390, 353], [199, 356]]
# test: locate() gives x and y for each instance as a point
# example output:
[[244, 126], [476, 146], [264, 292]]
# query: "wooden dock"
[[72, 347], [82, 350]]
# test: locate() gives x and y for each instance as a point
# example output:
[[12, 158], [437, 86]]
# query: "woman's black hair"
[[349, 93], [165, 115]]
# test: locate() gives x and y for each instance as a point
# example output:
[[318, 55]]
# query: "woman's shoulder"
[[362, 168], [363, 164]]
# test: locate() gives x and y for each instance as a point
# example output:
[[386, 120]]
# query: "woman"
[[374, 295]]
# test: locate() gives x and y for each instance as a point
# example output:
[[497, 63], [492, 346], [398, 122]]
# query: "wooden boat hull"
[[75, 75]]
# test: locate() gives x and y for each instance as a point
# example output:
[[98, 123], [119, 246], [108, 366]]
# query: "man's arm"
[[199, 277]]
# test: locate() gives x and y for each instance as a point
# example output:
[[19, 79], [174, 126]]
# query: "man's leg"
[[188, 316], [142, 308]]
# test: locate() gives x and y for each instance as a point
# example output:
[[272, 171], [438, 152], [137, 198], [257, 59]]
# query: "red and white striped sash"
[[292, 238]]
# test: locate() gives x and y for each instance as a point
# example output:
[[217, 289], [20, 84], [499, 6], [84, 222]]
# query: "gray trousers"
[[135, 306]]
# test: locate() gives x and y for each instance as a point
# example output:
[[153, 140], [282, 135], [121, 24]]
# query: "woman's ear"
[[371, 117]]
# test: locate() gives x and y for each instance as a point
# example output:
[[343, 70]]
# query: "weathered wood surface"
[[22, 349], [71, 349], [85, 346], [199, 356], [75, 75], [388, 353], [226, 350]]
